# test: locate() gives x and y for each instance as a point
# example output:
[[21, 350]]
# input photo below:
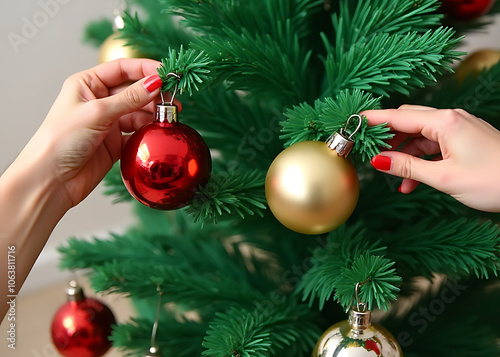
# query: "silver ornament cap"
[[166, 113], [341, 141]]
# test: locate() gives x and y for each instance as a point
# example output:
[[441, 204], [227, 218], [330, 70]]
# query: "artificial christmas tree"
[[234, 281]]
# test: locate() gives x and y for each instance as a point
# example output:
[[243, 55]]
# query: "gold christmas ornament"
[[357, 337], [310, 187], [477, 61], [114, 47]]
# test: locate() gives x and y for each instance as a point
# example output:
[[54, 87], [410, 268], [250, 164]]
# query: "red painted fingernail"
[[152, 83], [399, 189], [381, 162]]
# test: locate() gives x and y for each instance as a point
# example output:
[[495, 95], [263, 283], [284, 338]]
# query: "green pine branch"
[[258, 47], [175, 336], [174, 259], [187, 288], [262, 332], [81, 254], [457, 248], [349, 258], [227, 194], [387, 214], [145, 35], [259, 64], [243, 130], [305, 122], [230, 194], [371, 17], [266, 17], [386, 63], [193, 68]]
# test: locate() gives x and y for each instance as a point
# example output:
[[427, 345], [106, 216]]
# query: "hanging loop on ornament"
[[361, 306], [360, 120], [153, 351], [172, 74]]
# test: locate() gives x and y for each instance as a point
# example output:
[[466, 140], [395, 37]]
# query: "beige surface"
[[34, 314]]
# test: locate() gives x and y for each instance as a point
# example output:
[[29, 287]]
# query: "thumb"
[[132, 98], [408, 166]]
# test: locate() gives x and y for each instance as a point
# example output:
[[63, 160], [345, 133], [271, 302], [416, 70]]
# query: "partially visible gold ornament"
[[357, 337], [310, 188], [114, 47], [476, 62]]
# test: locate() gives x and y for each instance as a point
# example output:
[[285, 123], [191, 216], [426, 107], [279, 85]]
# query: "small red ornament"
[[466, 10], [164, 162], [81, 327]]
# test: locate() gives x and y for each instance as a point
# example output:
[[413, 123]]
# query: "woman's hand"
[[81, 136], [70, 153], [467, 153]]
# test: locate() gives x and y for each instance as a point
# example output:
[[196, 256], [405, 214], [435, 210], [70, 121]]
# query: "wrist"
[[32, 202]]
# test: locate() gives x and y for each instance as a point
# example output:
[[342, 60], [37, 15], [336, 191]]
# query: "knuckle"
[[406, 167], [442, 179], [132, 97], [97, 108], [451, 118]]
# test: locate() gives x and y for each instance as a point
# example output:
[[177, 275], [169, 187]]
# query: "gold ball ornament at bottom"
[[114, 47], [310, 189], [476, 62]]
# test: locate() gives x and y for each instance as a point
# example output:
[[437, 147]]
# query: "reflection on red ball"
[[82, 328], [163, 164], [466, 10]]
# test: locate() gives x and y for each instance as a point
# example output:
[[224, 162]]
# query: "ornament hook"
[[172, 74], [360, 120], [157, 318], [361, 306]]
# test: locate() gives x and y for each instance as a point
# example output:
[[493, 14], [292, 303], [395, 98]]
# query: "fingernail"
[[152, 83], [400, 188], [381, 162]]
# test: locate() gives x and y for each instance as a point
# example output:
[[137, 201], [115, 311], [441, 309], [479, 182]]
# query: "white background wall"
[[31, 76]]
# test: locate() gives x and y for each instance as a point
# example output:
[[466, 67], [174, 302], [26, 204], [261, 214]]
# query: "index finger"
[[116, 72], [409, 121]]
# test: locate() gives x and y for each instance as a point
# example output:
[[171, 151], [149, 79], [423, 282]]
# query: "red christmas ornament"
[[82, 325], [466, 10], [164, 162]]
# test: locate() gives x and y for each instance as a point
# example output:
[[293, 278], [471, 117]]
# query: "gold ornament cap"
[[341, 142], [166, 113]]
